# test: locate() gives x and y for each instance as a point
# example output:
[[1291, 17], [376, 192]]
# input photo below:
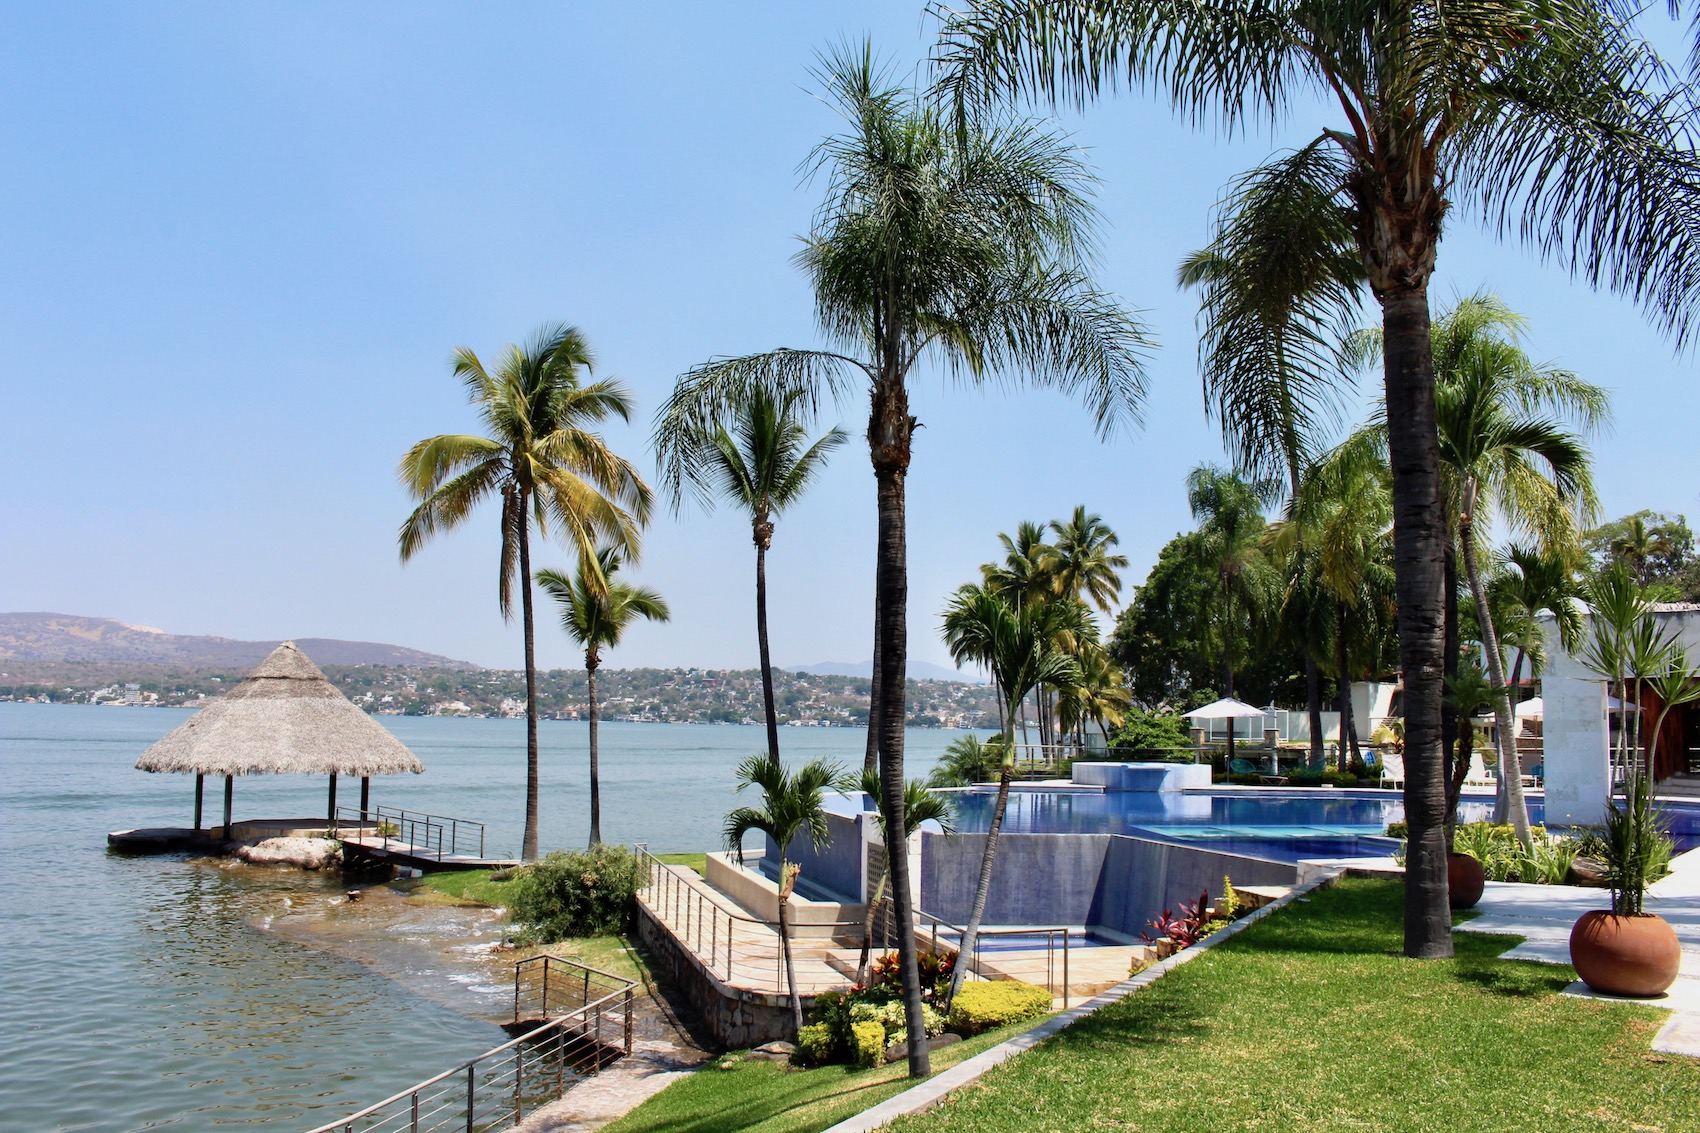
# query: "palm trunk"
[[528, 847], [590, 662], [976, 912], [889, 431], [785, 947], [868, 926], [761, 639], [1344, 679], [1508, 799], [1419, 533], [1454, 720], [1313, 708]]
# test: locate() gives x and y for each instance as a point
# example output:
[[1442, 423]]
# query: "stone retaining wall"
[[737, 1019]]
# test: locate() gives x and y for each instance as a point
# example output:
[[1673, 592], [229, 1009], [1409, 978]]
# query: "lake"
[[153, 993]]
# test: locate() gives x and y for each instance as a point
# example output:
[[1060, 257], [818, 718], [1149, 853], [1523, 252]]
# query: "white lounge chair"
[[1392, 769], [1478, 775]]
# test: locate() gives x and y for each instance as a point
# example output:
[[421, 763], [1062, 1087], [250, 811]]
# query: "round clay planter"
[[1625, 955], [1464, 881]]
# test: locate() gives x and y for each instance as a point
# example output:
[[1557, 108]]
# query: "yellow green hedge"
[[870, 1043], [982, 1006]]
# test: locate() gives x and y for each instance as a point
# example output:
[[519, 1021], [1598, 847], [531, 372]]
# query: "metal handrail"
[[578, 1046], [442, 835], [708, 929]]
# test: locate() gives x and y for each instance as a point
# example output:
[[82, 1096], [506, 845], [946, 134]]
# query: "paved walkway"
[[1543, 916]]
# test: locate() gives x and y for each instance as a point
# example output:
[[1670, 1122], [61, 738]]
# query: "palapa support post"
[[330, 808], [200, 783], [365, 796], [229, 790]]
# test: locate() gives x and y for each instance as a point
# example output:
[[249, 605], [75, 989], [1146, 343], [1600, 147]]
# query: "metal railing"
[[498, 1088], [423, 835], [1053, 934], [732, 945]]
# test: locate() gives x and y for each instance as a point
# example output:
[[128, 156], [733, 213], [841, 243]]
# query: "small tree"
[[919, 805], [792, 803]]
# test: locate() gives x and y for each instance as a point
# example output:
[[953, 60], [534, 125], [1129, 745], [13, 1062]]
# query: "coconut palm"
[[540, 458], [920, 805], [764, 463], [793, 804], [1557, 122], [1101, 695], [596, 610], [1530, 581], [967, 761], [1015, 641], [1085, 565], [962, 249]]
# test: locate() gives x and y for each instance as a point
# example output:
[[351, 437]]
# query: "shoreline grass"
[[1313, 1020]]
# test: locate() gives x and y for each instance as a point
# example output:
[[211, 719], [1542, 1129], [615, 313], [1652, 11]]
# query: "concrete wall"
[[736, 1019], [1108, 880], [1158, 777], [838, 865], [760, 898]]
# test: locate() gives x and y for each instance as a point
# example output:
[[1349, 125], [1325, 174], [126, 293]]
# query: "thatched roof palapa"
[[284, 718]]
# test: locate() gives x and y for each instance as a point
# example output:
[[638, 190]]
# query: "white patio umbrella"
[[1227, 709], [1532, 709]]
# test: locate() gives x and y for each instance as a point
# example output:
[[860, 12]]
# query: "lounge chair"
[[1392, 770], [1478, 774], [1243, 767], [1535, 775]]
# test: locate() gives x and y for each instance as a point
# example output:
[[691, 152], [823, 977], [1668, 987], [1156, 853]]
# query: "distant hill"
[[916, 671], [67, 638]]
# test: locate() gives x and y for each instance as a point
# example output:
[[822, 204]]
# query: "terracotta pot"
[[1625, 955], [1464, 881]]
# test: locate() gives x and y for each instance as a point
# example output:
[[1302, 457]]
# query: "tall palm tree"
[[920, 805], [1085, 565], [1014, 640], [1101, 695], [596, 611], [1229, 510], [764, 463], [1507, 450], [1557, 122], [1530, 581], [540, 458], [793, 803], [964, 249]]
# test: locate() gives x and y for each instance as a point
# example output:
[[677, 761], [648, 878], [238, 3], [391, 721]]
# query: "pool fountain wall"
[[1109, 881]]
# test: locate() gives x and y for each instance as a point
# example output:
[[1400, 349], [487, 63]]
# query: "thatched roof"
[[285, 718]]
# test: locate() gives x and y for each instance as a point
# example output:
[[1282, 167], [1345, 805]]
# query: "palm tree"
[[1530, 581], [540, 458], [793, 803], [1558, 122], [966, 761], [1274, 319], [596, 611], [1101, 695], [1085, 566], [1230, 514], [764, 463], [1505, 447], [1013, 639], [962, 248], [920, 805]]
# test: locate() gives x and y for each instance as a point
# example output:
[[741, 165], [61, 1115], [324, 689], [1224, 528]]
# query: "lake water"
[[169, 993]]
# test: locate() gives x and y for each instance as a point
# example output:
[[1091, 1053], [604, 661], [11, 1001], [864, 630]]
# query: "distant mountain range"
[[67, 638], [916, 671]]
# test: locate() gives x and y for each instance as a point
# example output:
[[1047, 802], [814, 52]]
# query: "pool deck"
[[1543, 916]]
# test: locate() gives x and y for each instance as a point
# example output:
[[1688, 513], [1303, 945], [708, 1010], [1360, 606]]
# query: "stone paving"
[[1543, 916]]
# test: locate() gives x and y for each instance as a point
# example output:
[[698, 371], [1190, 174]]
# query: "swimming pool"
[[1286, 825]]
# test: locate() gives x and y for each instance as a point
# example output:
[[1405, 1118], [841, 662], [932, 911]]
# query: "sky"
[[241, 241]]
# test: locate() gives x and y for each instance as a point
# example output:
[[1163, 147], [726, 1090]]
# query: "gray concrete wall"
[[1112, 881], [838, 864], [737, 1019]]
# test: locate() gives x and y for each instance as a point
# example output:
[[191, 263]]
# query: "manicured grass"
[[1311, 1020], [464, 887], [612, 954], [698, 862], [734, 1093]]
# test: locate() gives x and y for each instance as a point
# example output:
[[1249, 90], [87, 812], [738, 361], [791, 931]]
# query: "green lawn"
[[463, 887], [1311, 1020], [734, 1094], [698, 862]]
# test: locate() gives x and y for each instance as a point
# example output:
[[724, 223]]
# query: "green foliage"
[[983, 1005], [885, 979], [967, 761], [814, 1045], [583, 893], [1546, 861], [1229, 905], [1636, 848], [869, 1040], [1308, 777], [890, 1015], [1149, 730], [1656, 550]]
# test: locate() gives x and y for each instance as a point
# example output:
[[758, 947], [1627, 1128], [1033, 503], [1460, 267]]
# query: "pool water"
[[1287, 826], [1034, 941]]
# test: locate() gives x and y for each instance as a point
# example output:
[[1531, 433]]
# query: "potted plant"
[[1628, 951]]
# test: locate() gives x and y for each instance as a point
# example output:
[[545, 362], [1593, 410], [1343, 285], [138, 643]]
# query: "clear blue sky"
[[240, 241]]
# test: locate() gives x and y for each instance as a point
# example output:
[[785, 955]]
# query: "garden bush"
[[885, 980], [982, 1006], [584, 893], [870, 1043], [814, 1045], [890, 1016]]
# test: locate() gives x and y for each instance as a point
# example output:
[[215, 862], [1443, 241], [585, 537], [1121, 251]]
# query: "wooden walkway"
[[396, 852]]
